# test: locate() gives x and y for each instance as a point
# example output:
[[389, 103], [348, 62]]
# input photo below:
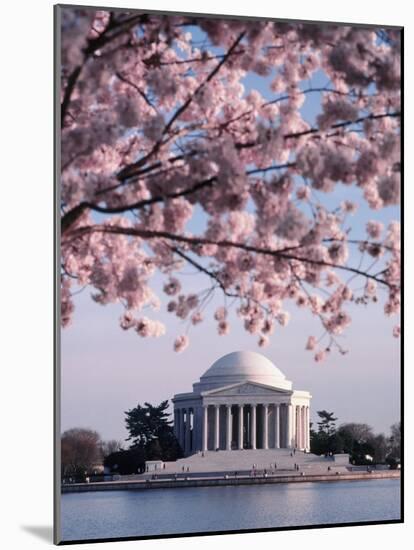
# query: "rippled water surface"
[[200, 509]]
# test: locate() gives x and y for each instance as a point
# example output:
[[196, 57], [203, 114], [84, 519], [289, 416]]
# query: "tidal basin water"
[[115, 514]]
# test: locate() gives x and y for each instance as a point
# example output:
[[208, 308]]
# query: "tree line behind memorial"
[[358, 440], [151, 437]]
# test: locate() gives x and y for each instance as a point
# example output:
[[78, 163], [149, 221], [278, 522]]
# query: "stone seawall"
[[218, 481]]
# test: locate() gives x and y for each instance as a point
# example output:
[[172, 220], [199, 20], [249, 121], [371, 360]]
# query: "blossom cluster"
[[160, 131]]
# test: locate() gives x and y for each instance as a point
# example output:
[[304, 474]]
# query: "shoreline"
[[143, 485]]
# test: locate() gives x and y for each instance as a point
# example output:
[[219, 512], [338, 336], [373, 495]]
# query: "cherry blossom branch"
[[146, 170], [128, 171], [202, 269], [94, 45], [72, 215], [202, 59], [270, 168], [138, 89], [213, 276], [149, 234], [70, 86], [321, 319], [315, 130], [66, 272], [309, 91], [213, 73]]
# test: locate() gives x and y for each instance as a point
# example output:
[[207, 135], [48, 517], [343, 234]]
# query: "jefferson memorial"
[[243, 401]]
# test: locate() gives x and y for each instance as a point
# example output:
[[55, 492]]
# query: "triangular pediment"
[[246, 388]]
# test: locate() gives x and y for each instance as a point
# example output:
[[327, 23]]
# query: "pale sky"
[[106, 371]]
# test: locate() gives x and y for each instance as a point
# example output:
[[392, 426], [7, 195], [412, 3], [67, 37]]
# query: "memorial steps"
[[243, 461]]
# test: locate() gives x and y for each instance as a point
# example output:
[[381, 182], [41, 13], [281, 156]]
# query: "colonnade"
[[242, 426]]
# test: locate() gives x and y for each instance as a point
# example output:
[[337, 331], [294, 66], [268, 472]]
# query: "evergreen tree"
[[150, 429], [145, 423], [327, 423]]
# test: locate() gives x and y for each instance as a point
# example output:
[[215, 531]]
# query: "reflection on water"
[[200, 509]]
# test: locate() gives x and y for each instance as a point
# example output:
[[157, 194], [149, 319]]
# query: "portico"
[[242, 402]]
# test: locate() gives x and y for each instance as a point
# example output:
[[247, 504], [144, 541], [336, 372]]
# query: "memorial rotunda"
[[243, 401]]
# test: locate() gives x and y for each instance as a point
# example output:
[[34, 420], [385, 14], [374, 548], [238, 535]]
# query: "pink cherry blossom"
[[174, 163], [263, 341], [349, 207], [220, 314], [127, 320], [223, 328], [196, 318], [320, 356], [172, 287], [311, 343], [374, 229], [181, 343], [147, 327]]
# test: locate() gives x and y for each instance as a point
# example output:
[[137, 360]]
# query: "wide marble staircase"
[[273, 461]]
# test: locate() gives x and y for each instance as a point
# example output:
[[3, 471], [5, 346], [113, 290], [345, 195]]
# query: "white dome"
[[242, 366], [243, 363]]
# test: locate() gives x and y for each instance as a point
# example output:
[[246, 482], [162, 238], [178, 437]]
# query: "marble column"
[[265, 427], [253, 426], [182, 429], [188, 431], [303, 427], [240, 426], [277, 426], [307, 429], [293, 426], [228, 428], [217, 427], [177, 424], [205, 428], [297, 426], [289, 426]]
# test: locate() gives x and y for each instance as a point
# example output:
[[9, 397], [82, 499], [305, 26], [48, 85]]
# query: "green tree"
[[150, 429], [356, 437], [145, 423], [360, 440], [154, 450], [326, 424], [327, 439]]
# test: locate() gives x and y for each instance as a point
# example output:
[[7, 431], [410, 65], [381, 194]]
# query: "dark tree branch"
[[216, 278], [199, 59], [137, 89], [311, 131], [319, 315], [315, 90], [70, 86], [196, 241], [94, 45], [198, 266], [128, 171], [72, 215]]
